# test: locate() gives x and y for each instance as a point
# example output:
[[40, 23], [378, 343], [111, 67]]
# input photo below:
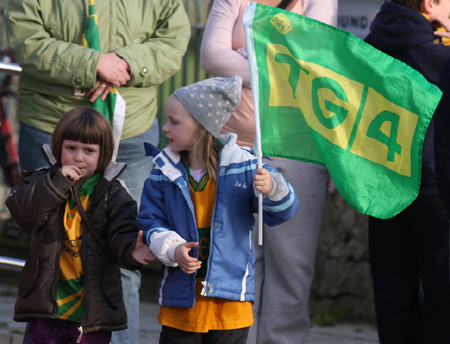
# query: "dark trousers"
[[409, 257], [170, 335], [57, 331]]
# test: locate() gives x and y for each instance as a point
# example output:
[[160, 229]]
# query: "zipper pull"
[[81, 334], [203, 292]]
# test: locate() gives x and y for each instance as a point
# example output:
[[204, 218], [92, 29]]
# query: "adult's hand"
[[113, 69], [103, 88]]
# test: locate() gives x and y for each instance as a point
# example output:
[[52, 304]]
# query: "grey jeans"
[[284, 264]]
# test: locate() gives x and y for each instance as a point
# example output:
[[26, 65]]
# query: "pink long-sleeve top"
[[224, 40]]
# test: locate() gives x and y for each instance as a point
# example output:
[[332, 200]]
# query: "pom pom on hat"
[[212, 101]]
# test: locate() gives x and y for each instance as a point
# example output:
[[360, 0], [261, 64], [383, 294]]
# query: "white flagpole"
[[249, 43], [260, 196]]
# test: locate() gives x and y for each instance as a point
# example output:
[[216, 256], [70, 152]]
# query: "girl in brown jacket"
[[84, 227]]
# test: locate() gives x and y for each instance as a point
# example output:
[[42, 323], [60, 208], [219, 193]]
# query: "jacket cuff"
[[280, 187], [61, 182], [164, 244]]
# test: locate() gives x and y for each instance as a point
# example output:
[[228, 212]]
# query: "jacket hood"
[[397, 28]]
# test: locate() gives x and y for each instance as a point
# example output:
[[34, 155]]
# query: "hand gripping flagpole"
[[249, 43]]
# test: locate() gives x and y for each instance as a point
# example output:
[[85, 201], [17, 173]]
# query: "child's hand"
[[263, 181], [187, 263], [141, 252], [72, 172], [441, 22]]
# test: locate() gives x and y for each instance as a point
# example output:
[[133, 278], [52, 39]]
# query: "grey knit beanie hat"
[[212, 101]]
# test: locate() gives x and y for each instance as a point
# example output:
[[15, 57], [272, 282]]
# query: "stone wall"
[[342, 286]]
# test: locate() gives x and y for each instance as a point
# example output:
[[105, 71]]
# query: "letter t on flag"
[[113, 107], [323, 95]]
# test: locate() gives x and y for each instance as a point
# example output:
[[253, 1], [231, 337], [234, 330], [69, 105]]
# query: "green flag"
[[113, 107], [327, 97]]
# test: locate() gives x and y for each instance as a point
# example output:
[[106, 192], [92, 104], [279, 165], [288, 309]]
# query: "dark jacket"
[[37, 203], [442, 137], [408, 36]]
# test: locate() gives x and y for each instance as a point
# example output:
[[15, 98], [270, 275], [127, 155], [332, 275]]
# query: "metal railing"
[[8, 263], [10, 68]]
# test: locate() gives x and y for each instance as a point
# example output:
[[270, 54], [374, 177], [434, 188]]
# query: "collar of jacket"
[[113, 170]]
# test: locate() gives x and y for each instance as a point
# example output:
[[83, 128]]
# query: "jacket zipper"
[[191, 208], [81, 335], [58, 256], [204, 292], [83, 264]]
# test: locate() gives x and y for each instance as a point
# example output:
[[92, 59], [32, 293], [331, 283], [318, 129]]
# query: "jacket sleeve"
[[217, 55], [43, 56], [36, 196], [159, 57], [152, 217], [121, 225], [152, 220], [163, 245], [279, 205]]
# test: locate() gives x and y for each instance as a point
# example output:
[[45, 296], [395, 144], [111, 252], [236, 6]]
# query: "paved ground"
[[12, 332]]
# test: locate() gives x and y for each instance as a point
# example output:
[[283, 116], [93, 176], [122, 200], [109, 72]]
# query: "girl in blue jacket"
[[197, 216]]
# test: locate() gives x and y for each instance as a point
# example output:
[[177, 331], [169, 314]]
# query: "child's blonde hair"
[[87, 125], [208, 146]]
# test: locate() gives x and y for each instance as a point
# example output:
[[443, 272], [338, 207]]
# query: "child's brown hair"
[[87, 125]]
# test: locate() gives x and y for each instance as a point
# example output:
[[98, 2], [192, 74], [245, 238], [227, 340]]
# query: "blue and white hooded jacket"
[[167, 218]]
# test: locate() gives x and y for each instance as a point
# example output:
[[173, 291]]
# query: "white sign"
[[355, 16]]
